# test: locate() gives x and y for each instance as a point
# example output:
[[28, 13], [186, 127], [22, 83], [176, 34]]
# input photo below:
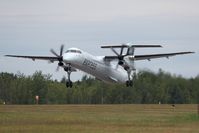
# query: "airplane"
[[103, 68]]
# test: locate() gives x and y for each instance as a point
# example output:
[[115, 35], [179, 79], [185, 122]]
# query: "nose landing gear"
[[69, 83]]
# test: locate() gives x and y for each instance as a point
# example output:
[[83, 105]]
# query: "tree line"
[[149, 87]]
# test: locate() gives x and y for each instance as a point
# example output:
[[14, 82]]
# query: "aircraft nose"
[[68, 57], [71, 58]]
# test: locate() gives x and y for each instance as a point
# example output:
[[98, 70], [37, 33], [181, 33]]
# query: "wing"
[[49, 58], [148, 57], [153, 56]]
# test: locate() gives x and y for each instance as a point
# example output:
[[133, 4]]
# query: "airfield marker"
[[37, 99]]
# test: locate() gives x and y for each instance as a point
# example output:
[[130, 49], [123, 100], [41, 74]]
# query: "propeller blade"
[[60, 57], [53, 52], [121, 52], [114, 51], [61, 49]]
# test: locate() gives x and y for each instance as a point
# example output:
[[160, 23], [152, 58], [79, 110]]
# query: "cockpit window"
[[73, 51]]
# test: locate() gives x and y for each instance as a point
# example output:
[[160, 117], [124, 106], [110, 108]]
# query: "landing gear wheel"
[[129, 83], [69, 84]]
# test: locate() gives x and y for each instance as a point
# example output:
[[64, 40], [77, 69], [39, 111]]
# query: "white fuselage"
[[96, 66]]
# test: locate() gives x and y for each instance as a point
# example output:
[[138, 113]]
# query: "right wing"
[[49, 58]]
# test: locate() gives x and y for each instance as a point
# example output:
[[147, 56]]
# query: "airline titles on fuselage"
[[90, 64]]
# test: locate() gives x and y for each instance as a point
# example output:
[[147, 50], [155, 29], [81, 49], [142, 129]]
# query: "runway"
[[98, 118]]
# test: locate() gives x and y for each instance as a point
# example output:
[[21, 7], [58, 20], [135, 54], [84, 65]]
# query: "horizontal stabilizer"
[[127, 46]]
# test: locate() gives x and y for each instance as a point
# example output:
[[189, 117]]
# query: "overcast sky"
[[33, 27]]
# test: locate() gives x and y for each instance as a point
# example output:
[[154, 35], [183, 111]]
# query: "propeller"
[[121, 61], [119, 55], [60, 56]]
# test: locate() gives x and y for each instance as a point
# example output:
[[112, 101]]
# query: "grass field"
[[98, 119]]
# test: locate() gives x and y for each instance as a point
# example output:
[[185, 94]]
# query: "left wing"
[[49, 58], [153, 56], [148, 57]]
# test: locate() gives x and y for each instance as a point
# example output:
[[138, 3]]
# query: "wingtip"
[[190, 52], [9, 55]]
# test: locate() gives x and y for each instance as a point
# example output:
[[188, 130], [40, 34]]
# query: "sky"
[[33, 27]]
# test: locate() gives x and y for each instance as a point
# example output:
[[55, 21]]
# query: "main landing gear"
[[69, 83], [129, 82]]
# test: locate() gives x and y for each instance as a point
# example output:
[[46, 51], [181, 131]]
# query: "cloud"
[[95, 10], [33, 27]]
